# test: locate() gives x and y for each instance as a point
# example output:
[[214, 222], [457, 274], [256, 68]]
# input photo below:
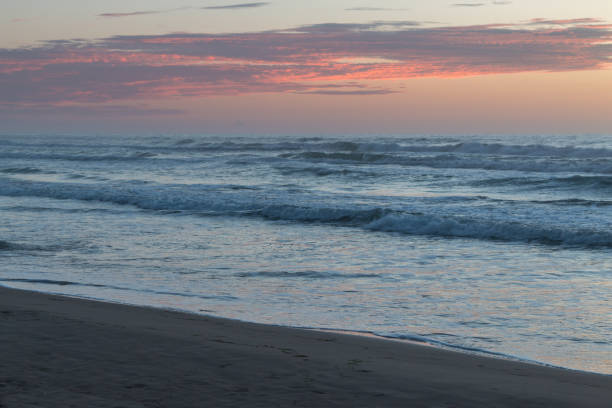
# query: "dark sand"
[[64, 352]]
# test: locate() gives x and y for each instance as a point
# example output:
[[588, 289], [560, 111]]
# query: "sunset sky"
[[335, 66]]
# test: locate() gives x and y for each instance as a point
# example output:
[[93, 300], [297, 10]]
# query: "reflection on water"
[[527, 301], [491, 243]]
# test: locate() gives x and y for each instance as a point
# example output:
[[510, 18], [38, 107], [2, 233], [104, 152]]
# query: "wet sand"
[[65, 352]]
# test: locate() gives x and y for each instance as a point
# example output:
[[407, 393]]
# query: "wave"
[[78, 156], [574, 202], [426, 339], [120, 288], [349, 217], [23, 170], [419, 152], [417, 145], [433, 146], [307, 275], [47, 282], [34, 209], [6, 246], [472, 227], [186, 141], [499, 149], [322, 171], [352, 156], [11, 246], [585, 181], [453, 161], [591, 182], [276, 205], [429, 146]]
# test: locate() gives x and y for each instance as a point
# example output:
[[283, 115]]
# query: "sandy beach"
[[65, 352]]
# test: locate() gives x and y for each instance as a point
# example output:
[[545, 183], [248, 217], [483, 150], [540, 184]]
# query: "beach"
[[68, 352], [294, 204]]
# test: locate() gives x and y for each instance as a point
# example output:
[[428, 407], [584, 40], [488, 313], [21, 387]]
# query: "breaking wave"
[[469, 227], [275, 205]]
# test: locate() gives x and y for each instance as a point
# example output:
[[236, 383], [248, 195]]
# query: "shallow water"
[[500, 244]]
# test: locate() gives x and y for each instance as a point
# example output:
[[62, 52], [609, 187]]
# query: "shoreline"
[[62, 350], [425, 342], [417, 340]]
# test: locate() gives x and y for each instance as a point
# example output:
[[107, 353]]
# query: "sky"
[[303, 67]]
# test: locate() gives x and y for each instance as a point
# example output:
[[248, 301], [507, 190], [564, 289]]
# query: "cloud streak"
[[143, 12], [132, 13], [97, 110], [237, 6], [495, 3], [468, 4], [374, 9], [325, 59], [150, 12], [349, 92]]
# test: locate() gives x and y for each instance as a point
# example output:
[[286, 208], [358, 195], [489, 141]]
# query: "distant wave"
[[408, 145], [454, 161], [77, 156], [574, 202], [448, 160], [306, 274], [271, 204], [360, 157], [416, 151], [38, 209], [592, 182], [11, 246], [498, 149], [6, 246], [21, 170], [321, 171]]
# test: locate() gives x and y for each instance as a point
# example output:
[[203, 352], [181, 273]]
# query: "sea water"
[[495, 244]]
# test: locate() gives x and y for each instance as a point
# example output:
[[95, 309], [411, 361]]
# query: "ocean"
[[496, 244]]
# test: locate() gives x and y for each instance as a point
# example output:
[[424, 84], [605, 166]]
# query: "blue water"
[[501, 244]]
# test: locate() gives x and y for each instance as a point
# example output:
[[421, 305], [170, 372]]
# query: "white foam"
[[432, 218]]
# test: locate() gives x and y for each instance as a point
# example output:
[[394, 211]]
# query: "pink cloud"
[[572, 21], [329, 59]]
